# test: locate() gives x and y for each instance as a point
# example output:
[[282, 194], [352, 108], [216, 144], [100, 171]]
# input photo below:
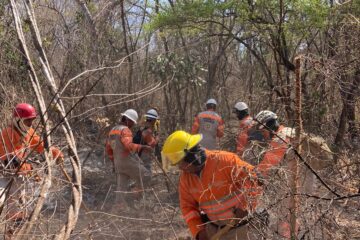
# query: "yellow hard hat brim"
[[193, 141], [176, 157]]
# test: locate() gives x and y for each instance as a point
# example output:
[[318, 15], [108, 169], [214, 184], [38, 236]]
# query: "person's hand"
[[202, 235], [146, 148]]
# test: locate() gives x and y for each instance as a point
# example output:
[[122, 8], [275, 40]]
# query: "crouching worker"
[[17, 142], [214, 185], [122, 151]]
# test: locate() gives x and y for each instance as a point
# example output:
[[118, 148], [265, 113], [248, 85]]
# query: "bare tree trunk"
[[74, 159], [26, 228], [294, 167], [129, 57]]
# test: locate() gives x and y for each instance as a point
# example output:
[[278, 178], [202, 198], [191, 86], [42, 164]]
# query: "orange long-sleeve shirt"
[[242, 139], [125, 136], [276, 152], [225, 183], [13, 143], [149, 138]]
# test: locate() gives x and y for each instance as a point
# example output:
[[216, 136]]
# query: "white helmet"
[[240, 106], [264, 116], [152, 113], [211, 101], [131, 114]]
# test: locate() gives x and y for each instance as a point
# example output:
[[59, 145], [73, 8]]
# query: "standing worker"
[[246, 122], [121, 150], [17, 143], [148, 136], [215, 183], [210, 125]]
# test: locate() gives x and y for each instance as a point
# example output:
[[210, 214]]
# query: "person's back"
[[210, 125]]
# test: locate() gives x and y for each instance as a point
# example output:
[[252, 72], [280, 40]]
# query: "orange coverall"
[[148, 138], [121, 150], [13, 143], [242, 139], [210, 125], [225, 183]]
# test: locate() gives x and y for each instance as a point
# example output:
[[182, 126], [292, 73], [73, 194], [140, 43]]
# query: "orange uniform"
[[122, 151], [242, 139], [13, 143], [225, 183], [210, 125], [148, 137], [275, 153], [124, 134]]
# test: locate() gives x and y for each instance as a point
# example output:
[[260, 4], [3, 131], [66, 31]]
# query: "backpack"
[[138, 137]]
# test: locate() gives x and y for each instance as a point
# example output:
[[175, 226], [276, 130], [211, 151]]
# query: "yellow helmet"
[[177, 143]]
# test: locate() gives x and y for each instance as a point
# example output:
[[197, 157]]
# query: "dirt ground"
[[157, 215]]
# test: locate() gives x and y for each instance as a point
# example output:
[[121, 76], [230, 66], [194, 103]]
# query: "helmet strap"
[[20, 126]]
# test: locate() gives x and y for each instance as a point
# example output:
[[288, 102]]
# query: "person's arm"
[[109, 150], [195, 126], [244, 180], [149, 138], [126, 139], [220, 129], [242, 141], [189, 209], [272, 157], [38, 145]]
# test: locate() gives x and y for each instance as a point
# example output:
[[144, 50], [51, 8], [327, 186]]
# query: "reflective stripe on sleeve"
[[191, 215]]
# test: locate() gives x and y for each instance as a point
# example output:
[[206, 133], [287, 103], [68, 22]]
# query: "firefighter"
[[241, 111], [210, 125], [149, 136], [214, 185], [122, 151], [18, 141]]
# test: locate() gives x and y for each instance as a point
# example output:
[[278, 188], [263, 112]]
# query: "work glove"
[[202, 235]]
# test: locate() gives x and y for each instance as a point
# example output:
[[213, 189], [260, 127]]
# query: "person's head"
[[241, 110], [267, 122], [24, 114], [129, 118], [151, 116], [183, 149], [211, 104]]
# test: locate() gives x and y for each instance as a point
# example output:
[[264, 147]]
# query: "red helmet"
[[24, 111]]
